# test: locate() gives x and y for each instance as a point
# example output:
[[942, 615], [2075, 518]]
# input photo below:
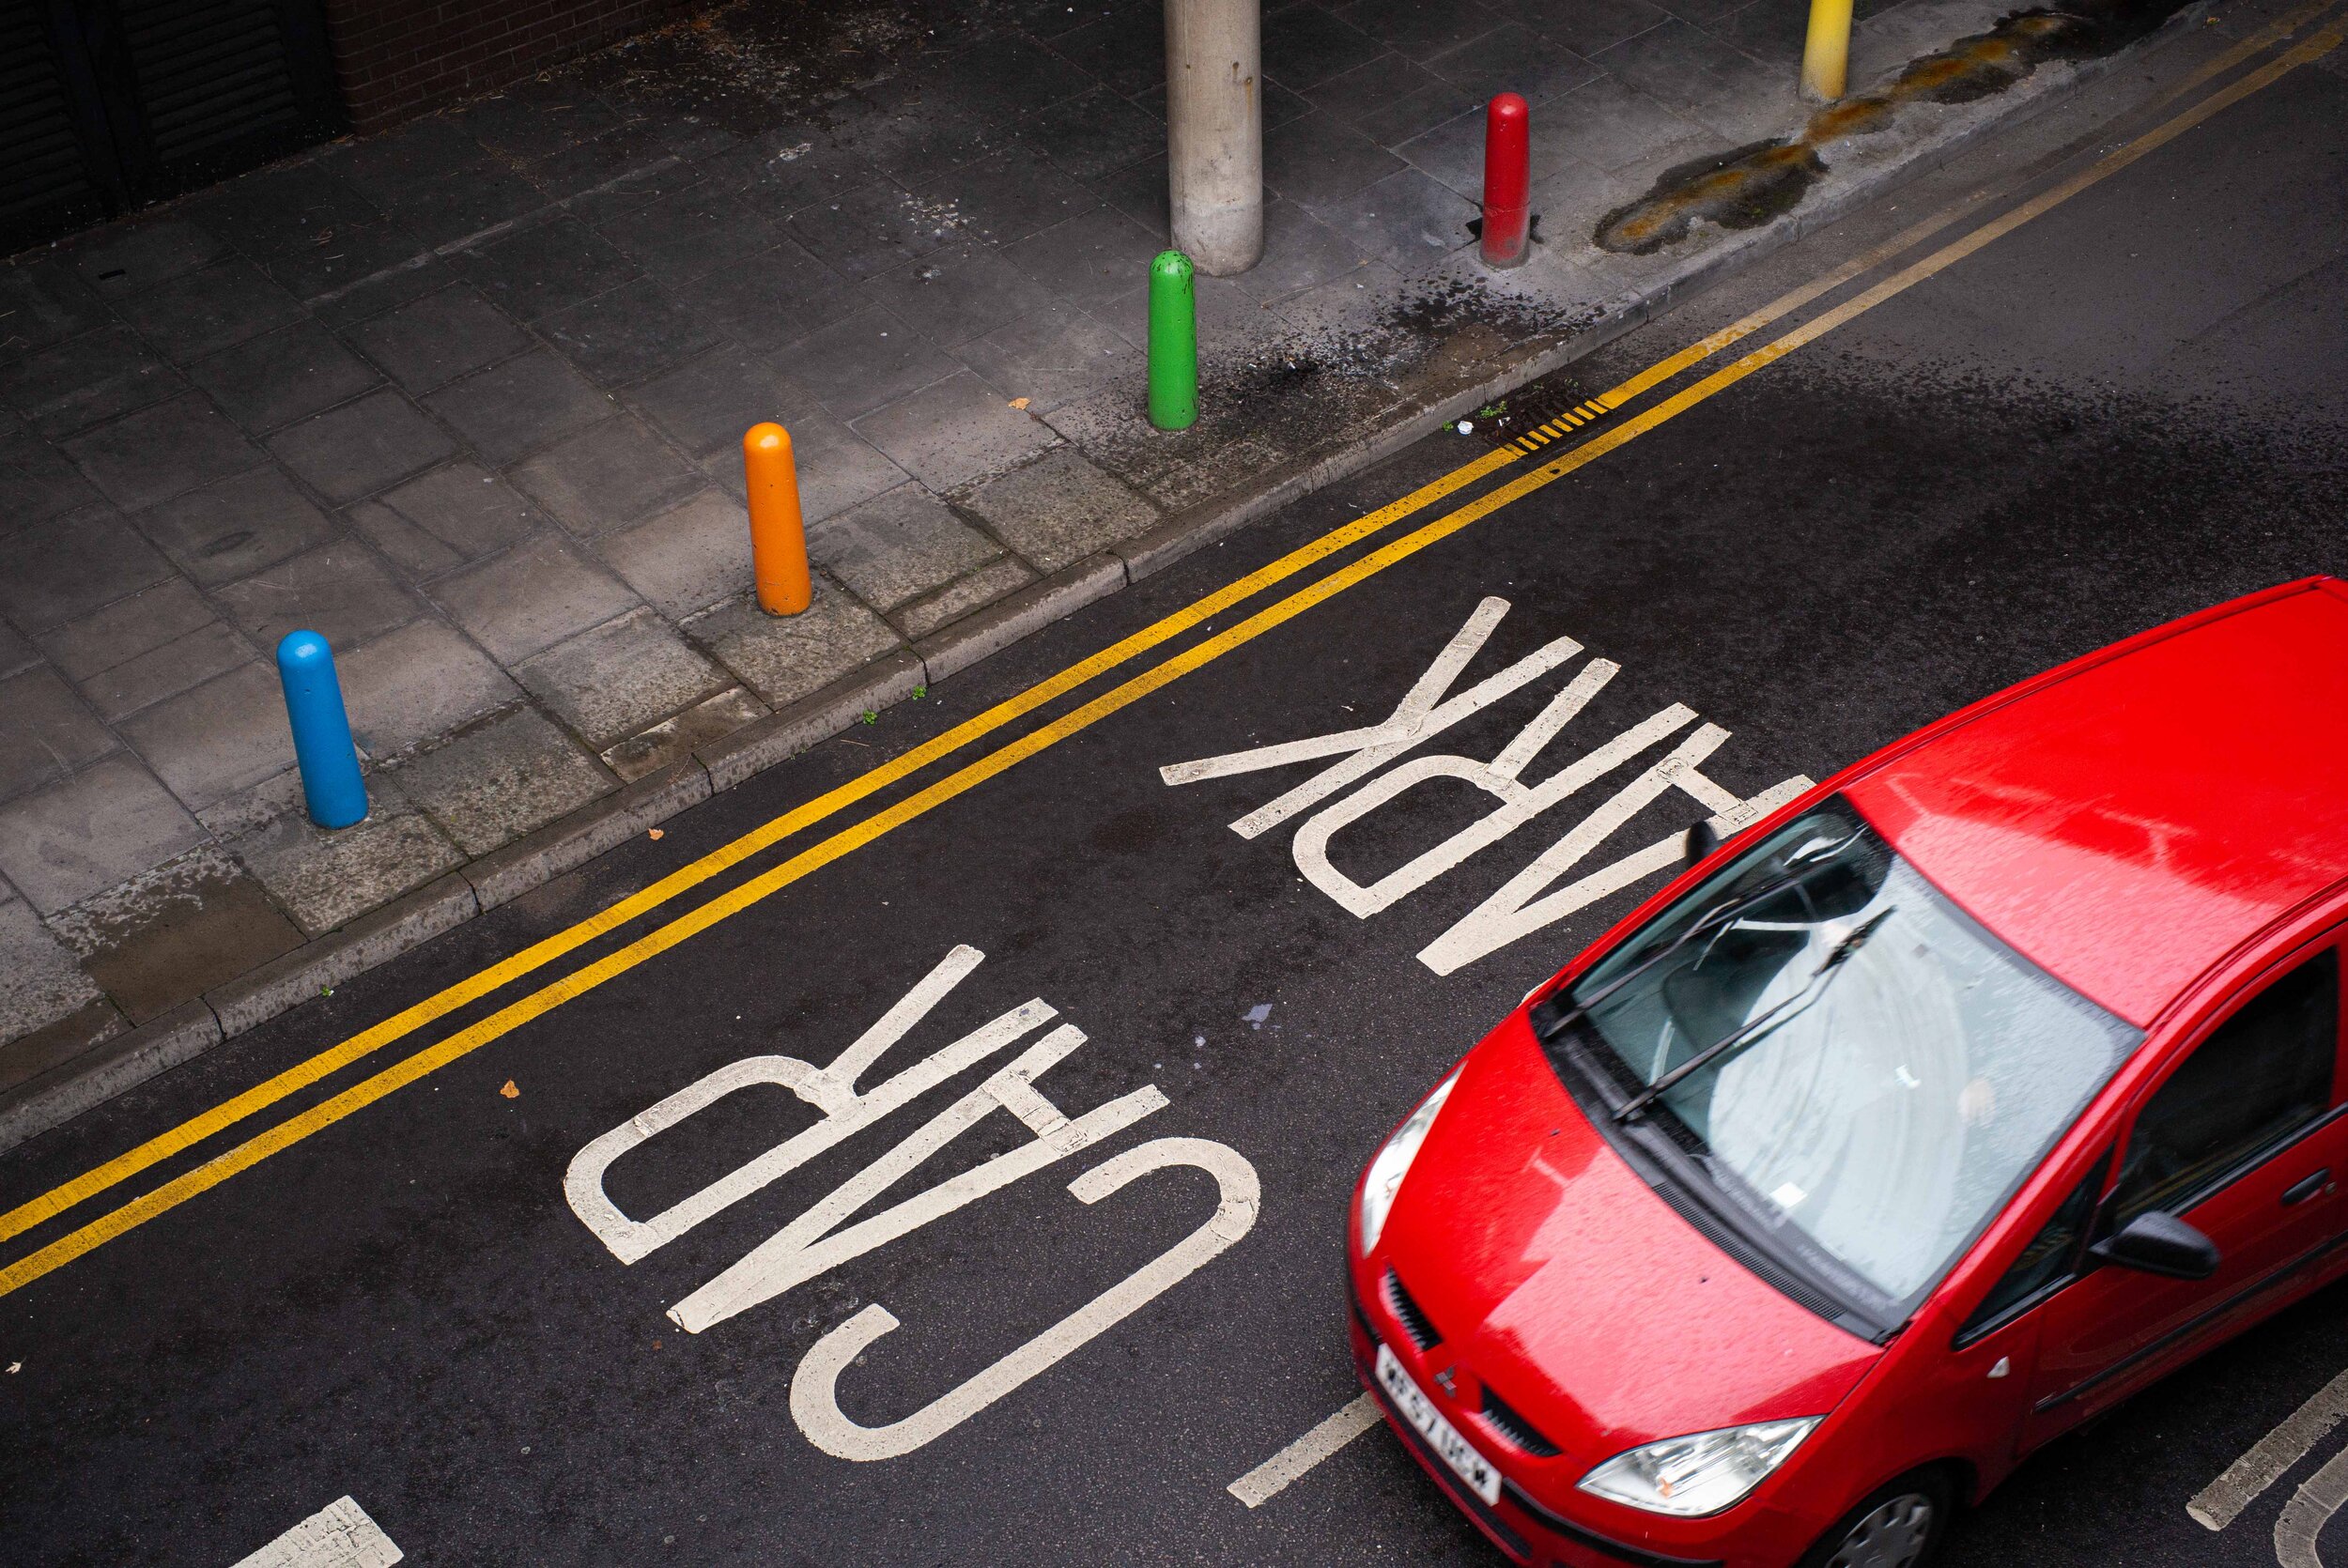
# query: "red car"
[[1952, 1103]]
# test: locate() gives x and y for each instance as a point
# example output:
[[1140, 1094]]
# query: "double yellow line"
[[420, 1064]]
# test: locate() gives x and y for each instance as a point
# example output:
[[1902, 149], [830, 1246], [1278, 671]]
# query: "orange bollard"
[[777, 539]]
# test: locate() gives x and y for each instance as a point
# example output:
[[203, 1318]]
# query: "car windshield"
[[1843, 1052]]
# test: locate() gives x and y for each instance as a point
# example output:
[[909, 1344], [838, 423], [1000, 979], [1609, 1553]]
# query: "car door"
[[2242, 1138]]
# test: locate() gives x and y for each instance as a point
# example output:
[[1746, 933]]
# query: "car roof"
[[2128, 820]]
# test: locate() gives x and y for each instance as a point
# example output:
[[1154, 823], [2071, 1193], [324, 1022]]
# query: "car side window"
[[2051, 1257], [2262, 1076]]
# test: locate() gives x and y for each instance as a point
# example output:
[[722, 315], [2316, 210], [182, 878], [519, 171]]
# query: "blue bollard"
[[322, 730]]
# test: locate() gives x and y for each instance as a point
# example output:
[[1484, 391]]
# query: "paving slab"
[[786, 658], [684, 560], [104, 825], [342, 590], [467, 510], [897, 545], [184, 662], [530, 597], [161, 452], [168, 935], [274, 379], [954, 432], [613, 681], [428, 343], [326, 880], [41, 982], [235, 527], [529, 401], [52, 731], [1059, 509], [496, 782], [608, 476], [88, 379]]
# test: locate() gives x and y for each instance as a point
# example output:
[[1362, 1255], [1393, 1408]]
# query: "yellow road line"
[[320, 1067], [412, 1068]]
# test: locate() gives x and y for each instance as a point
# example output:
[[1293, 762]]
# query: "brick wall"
[[396, 58]]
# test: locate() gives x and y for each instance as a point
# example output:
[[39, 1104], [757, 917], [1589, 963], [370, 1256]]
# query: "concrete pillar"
[[1214, 131]]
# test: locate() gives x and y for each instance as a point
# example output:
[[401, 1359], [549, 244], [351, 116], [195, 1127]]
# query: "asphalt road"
[[2127, 409]]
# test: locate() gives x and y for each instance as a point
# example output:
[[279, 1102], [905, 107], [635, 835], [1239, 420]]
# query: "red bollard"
[[1507, 182]]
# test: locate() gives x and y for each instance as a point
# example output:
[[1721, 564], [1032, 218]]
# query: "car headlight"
[[1701, 1474], [1392, 1163]]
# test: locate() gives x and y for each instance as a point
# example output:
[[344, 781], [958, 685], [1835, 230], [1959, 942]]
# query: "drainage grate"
[[1414, 1317]]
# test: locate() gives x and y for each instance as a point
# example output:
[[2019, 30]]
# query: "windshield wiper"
[[1549, 1018], [1801, 1001]]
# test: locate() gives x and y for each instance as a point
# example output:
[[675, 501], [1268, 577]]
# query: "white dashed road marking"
[[2218, 1505], [340, 1535], [1275, 1474]]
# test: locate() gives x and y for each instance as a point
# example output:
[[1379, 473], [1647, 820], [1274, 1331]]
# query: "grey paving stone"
[[43, 302], [530, 598], [1009, 196], [687, 560], [897, 547], [1319, 160], [207, 311], [836, 467], [1304, 45], [1059, 509], [167, 936], [387, 168], [36, 481], [325, 880], [1513, 59], [235, 527], [1004, 74], [372, 293], [63, 568], [1583, 26], [372, 258], [613, 681], [954, 432], [1415, 28], [1614, 125], [1126, 48], [706, 405], [211, 741], [683, 234], [160, 451], [546, 267], [1703, 80], [1050, 356], [1299, 251], [1139, 192], [40, 980], [956, 294], [1094, 259], [429, 342], [947, 605], [414, 552], [859, 364], [1094, 133], [874, 228], [139, 623], [1453, 152], [417, 683], [1392, 99], [527, 401], [105, 824], [79, 382], [186, 661], [672, 740], [126, 258], [608, 476], [525, 121], [777, 295], [911, 132], [495, 783], [283, 375], [340, 590], [636, 330], [468, 511], [783, 658], [1407, 220], [47, 732], [463, 204], [363, 446], [15, 652]]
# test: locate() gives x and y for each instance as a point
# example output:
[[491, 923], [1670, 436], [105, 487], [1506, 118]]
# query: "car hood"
[[1560, 1280]]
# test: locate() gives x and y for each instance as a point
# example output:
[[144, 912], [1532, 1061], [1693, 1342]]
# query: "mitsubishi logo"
[[1446, 1377]]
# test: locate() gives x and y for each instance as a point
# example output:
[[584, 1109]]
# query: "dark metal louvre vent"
[[1412, 1316], [1512, 1426], [210, 71], [41, 157]]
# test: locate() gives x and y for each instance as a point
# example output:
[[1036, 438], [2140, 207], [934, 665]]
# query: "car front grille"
[[1412, 1316], [1511, 1423]]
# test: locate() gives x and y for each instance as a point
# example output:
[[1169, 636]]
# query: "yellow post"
[[1826, 53], [777, 540]]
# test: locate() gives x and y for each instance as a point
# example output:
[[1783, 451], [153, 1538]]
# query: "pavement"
[[346, 1255], [467, 398]]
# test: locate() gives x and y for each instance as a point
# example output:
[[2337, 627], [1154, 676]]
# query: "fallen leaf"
[[654, 833], [1018, 402], [15, 1367], [511, 1091]]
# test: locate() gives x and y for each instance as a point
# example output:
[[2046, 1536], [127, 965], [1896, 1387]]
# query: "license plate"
[[1468, 1464]]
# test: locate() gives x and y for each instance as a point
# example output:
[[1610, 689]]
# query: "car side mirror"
[[2159, 1243], [1701, 841]]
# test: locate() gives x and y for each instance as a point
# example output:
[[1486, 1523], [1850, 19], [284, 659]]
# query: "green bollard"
[[1173, 343]]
